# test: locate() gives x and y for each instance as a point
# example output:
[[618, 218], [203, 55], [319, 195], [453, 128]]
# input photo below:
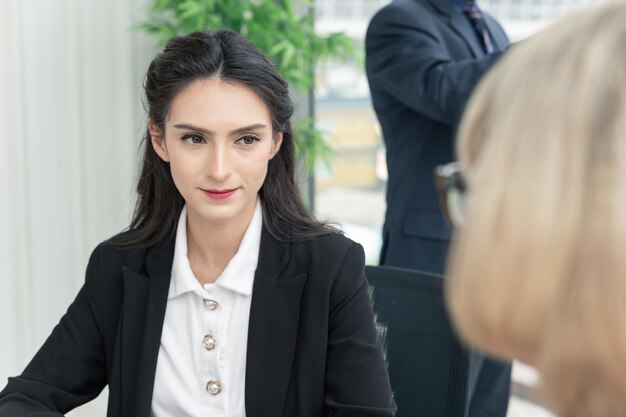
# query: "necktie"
[[476, 18]]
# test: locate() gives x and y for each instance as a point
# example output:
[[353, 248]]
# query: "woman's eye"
[[193, 138], [248, 140]]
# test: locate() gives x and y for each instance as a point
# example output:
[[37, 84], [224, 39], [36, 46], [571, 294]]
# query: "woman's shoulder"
[[113, 252], [116, 244], [330, 251], [334, 241], [334, 264]]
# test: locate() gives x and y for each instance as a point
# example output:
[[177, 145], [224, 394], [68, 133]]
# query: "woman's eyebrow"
[[188, 126]]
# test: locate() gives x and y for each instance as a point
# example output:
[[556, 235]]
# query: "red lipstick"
[[219, 194]]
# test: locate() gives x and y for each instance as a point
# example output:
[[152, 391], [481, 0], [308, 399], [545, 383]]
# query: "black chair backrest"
[[428, 366]]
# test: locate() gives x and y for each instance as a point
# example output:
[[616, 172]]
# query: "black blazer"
[[312, 345], [423, 59]]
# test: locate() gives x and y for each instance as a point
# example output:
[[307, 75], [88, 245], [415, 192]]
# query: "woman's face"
[[218, 141]]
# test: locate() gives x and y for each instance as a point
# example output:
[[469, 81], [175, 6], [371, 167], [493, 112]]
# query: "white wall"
[[70, 122]]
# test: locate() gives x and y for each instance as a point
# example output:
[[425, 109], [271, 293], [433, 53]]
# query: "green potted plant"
[[286, 37]]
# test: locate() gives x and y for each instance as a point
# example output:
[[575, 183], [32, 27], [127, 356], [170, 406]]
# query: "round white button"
[[213, 387], [209, 342], [210, 304]]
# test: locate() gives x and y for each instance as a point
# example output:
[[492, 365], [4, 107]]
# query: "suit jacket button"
[[213, 387]]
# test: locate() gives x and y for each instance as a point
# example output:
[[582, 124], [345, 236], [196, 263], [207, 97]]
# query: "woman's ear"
[[276, 142], [158, 141]]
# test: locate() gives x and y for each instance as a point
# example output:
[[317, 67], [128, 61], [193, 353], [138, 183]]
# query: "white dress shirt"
[[201, 367]]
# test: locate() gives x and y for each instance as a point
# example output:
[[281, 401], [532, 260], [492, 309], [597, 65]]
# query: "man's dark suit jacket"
[[312, 350], [423, 59]]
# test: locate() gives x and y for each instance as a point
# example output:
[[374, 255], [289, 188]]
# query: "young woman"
[[224, 297], [538, 270]]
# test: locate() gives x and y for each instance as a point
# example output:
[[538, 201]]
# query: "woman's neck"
[[210, 246]]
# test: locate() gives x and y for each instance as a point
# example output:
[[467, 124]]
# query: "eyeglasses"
[[451, 185]]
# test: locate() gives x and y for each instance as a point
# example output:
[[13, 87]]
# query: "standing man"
[[423, 59]]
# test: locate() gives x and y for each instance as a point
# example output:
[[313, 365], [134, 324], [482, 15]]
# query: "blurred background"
[[71, 119]]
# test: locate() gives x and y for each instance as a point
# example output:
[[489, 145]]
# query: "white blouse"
[[201, 368]]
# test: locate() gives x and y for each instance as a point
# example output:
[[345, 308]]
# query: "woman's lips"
[[219, 194]]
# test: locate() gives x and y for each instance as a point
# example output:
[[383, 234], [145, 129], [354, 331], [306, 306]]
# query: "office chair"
[[428, 367]]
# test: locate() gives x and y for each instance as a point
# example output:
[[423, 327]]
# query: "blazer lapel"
[[273, 328], [143, 312], [459, 25]]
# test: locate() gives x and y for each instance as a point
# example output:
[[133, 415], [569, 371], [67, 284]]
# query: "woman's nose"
[[218, 164]]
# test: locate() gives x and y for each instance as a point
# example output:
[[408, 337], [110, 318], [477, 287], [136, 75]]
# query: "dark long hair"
[[229, 56]]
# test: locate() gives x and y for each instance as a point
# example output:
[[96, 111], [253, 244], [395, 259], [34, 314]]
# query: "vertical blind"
[[70, 124]]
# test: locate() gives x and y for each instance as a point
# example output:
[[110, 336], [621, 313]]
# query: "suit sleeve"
[[405, 59], [357, 382], [69, 369]]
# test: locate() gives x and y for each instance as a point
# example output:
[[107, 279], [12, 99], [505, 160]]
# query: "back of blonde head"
[[539, 270]]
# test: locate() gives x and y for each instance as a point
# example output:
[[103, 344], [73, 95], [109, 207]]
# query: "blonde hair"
[[538, 272]]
